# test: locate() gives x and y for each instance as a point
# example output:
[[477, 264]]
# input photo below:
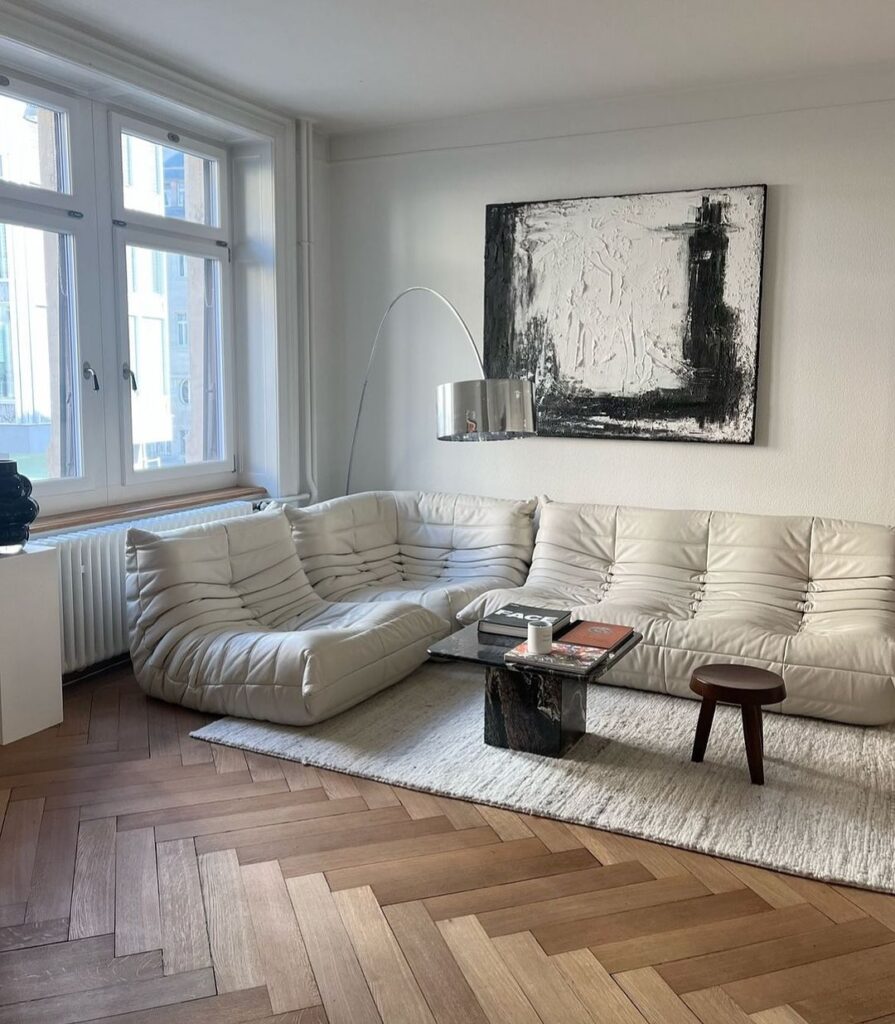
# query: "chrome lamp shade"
[[485, 410]]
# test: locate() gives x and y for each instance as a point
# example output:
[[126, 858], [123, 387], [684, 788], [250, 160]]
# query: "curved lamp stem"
[[385, 315]]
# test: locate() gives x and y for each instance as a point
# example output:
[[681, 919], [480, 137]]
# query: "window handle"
[[88, 373], [128, 374]]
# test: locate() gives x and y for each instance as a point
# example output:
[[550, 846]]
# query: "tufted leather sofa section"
[[222, 618], [438, 550], [809, 597]]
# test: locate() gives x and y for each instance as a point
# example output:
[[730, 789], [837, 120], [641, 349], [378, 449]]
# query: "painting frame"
[[678, 414]]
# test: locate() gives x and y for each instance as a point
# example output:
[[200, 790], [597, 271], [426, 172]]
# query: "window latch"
[[128, 374], [88, 373]]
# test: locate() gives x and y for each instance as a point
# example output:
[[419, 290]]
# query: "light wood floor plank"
[[71, 968], [54, 866], [137, 919], [257, 812], [114, 999], [18, 848], [346, 997], [507, 824], [395, 990], [446, 990], [184, 933], [297, 835], [541, 980], [394, 850], [570, 878], [762, 958], [494, 986], [162, 801], [563, 909], [93, 893], [681, 944], [595, 931], [234, 951], [595, 988], [772, 887], [653, 998], [447, 871], [864, 968], [714, 1006], [284, 960], [25, 936]]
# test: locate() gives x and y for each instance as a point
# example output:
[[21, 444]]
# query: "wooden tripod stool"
[[748, 687]]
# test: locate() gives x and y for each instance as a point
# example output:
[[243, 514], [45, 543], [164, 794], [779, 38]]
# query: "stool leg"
[[703, 728], [753, 732]]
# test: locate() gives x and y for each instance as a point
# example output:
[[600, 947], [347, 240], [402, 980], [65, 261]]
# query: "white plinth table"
[[30, 643]]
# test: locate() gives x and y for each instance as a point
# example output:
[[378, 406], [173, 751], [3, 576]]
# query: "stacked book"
[[578, 650], [513, 619]]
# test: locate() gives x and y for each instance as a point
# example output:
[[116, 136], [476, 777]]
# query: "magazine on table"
[[571, 659], [604, 635]]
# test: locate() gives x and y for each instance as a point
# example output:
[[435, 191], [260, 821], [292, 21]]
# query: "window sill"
[[141, 509]]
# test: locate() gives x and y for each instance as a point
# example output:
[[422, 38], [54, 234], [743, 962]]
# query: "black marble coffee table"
[[536, 711]]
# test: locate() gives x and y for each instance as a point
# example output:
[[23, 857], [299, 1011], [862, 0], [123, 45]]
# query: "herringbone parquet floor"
[[146, 877]]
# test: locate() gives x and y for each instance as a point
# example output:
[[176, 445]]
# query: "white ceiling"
[[358, 63]]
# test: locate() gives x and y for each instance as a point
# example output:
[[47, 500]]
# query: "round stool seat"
[[738, 684]]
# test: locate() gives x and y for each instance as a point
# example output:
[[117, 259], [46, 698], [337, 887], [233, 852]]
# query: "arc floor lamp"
[[487, 409]]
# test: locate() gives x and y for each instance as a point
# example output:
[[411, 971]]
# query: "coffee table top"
[[467, 645]]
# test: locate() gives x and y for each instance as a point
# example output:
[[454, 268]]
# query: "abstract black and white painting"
[[635, 316]]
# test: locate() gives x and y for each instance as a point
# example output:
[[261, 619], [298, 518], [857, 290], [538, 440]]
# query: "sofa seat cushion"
[[222, 618], [444, 597]]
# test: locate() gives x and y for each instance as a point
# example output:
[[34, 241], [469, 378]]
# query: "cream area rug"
[[827, 810]]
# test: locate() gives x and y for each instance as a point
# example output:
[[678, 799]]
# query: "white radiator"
[[94, 619]]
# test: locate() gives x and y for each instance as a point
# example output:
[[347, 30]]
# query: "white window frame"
[[93, 213], [73, 213], [212, 473], [192, 146]]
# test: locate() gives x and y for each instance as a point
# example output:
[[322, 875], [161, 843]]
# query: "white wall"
[[826, 402]]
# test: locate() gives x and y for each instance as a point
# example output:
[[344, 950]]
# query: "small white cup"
[[540, 638]]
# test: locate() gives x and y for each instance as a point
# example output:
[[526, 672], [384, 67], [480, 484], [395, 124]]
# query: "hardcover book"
[[513, 619], [572, 659], [597, 634]]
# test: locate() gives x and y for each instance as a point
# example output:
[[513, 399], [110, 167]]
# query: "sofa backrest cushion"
[[384, 537], [782, 573], [242, 571]]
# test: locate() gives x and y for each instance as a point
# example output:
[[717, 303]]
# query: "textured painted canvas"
[[635, 316]]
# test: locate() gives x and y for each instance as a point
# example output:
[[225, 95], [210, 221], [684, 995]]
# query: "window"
[[181, 320], [182, 308], [39, 423], [166, 181], [33, 145], [75, 424]]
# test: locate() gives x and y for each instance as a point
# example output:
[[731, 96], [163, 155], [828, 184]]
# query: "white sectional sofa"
[[811, 598], [437, 550], [294, 615]]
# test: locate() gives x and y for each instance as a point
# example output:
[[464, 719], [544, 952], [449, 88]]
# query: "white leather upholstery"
[[222, 618], [437, 550], [811, 598]]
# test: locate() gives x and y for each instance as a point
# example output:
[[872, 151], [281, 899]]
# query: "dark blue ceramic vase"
[[18, 509]]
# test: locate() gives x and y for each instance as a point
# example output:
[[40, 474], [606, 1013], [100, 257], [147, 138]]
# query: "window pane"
[[38, 353], [168, 182], [33, 146], [174, 323]]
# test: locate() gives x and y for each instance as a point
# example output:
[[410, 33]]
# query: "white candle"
[[540, 638]]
